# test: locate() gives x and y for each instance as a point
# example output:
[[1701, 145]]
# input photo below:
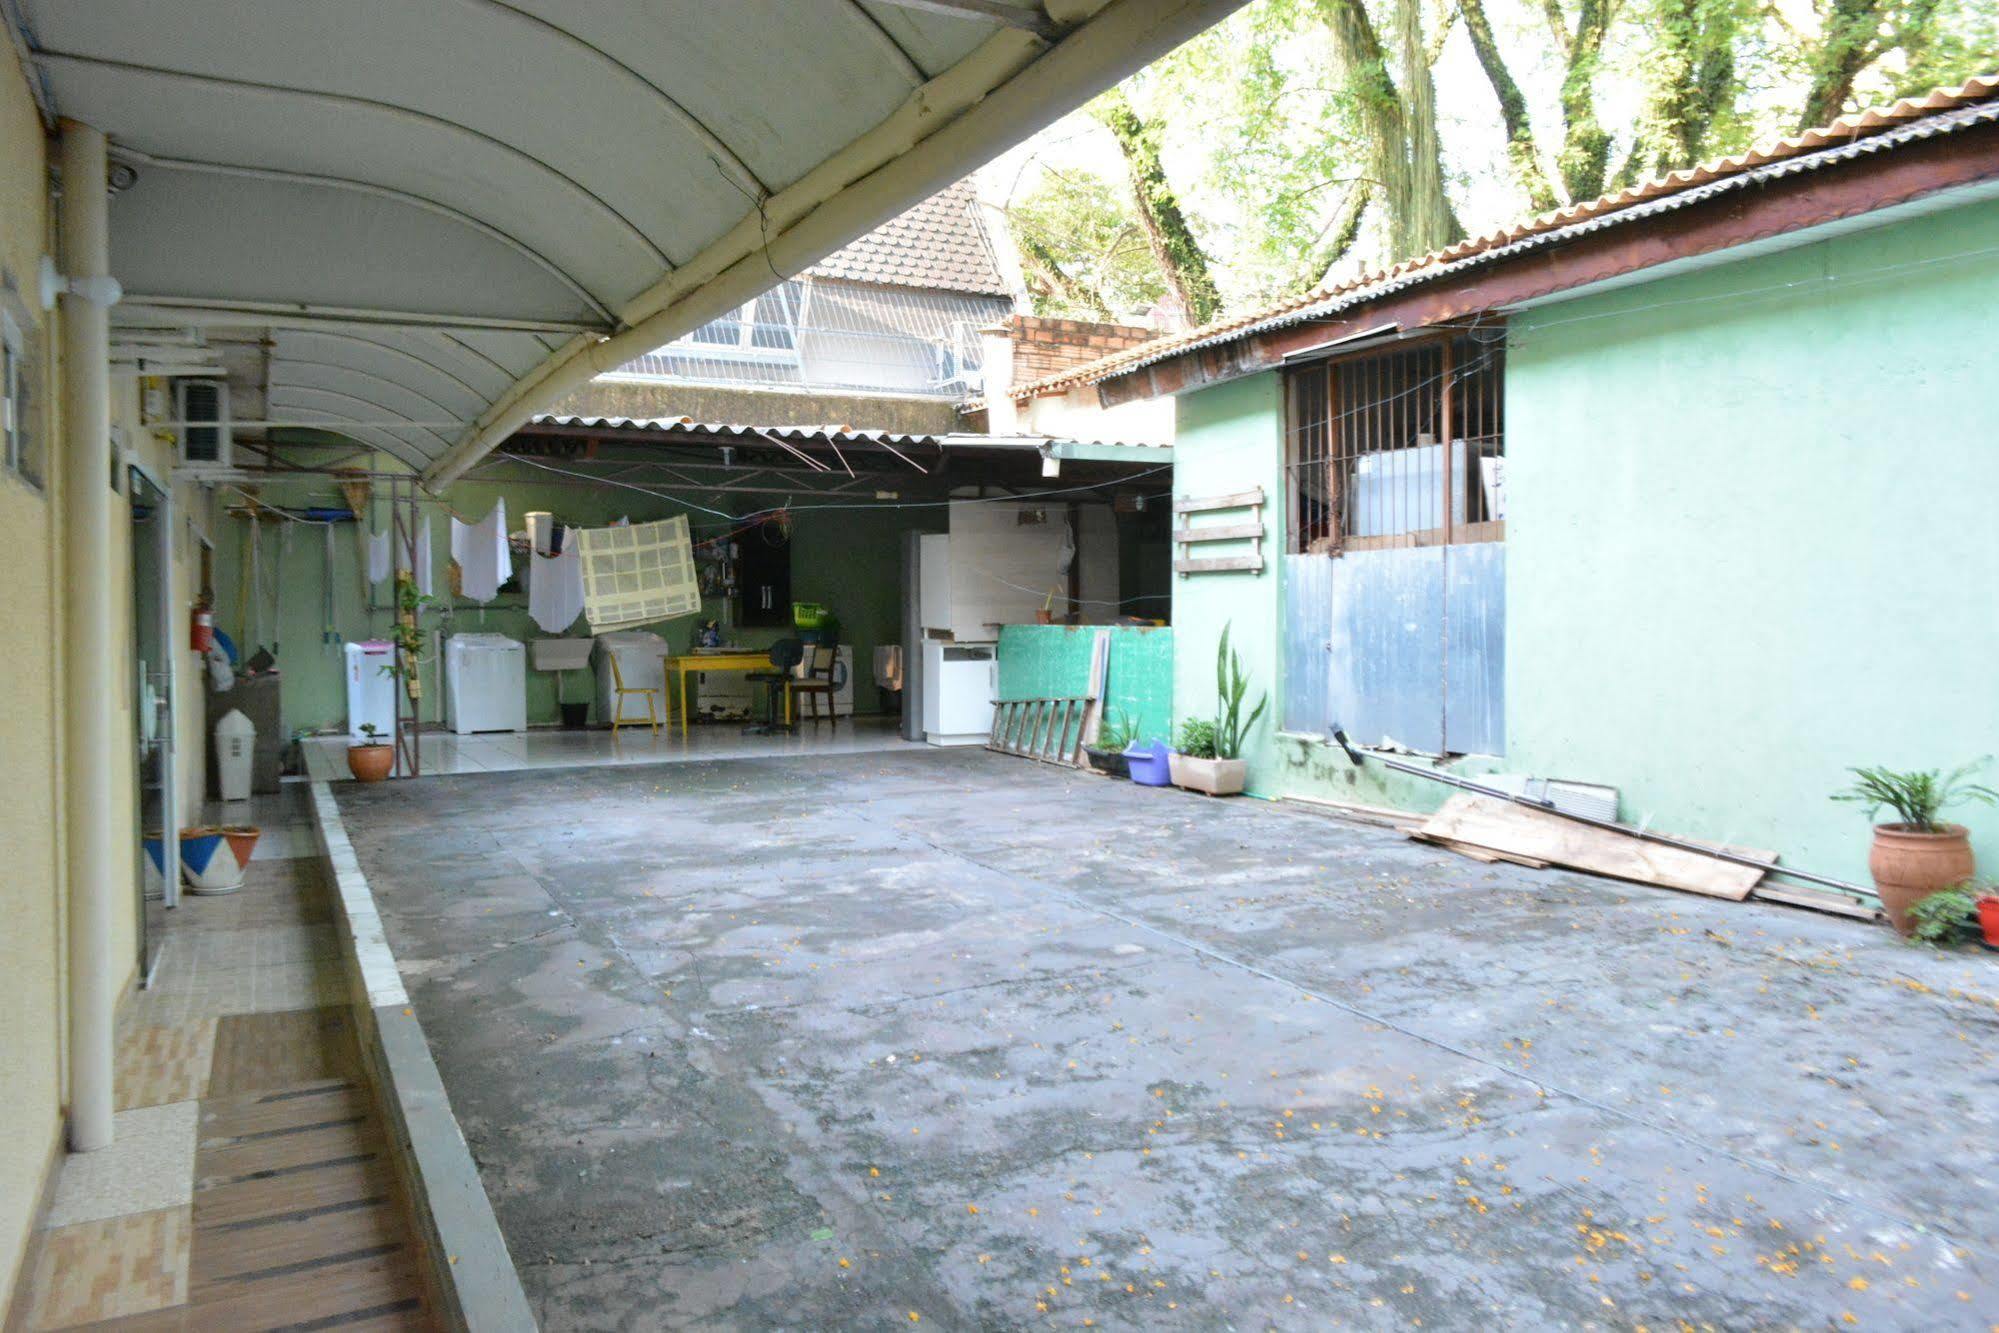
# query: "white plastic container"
[[235, 746], [641, 658], [371, 690], [485, 683]]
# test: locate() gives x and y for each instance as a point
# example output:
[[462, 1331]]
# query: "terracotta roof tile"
[[940, 244], [1846, 130]]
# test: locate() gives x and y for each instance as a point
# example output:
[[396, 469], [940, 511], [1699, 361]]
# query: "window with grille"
[[1398, 447]]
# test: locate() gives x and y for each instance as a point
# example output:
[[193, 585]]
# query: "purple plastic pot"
[[1148, 763]]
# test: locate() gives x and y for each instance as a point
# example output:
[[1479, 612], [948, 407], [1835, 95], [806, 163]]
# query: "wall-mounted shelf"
[[1187, 538]]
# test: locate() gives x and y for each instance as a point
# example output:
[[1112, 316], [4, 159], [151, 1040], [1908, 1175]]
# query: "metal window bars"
[[1397, 447]]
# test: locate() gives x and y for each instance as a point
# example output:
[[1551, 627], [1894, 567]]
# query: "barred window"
[[1403, 446]]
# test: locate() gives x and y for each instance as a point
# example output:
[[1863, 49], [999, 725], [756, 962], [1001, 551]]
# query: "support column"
[[90, 688]]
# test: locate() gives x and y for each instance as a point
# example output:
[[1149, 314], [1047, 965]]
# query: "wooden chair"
[[820, 677], [618, 692]]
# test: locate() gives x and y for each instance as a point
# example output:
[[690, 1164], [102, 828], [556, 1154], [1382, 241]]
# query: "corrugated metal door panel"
[[1475, 649], [1308, 631], [1386, 667]]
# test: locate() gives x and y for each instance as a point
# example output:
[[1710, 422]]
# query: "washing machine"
[[641, 658], [485, 683], [371, 690]]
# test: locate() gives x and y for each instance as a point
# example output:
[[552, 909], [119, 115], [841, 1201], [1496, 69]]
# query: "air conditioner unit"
[[203, 408]]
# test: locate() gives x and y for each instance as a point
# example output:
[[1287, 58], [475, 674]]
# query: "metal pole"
[[96, 888], [1663, 839]]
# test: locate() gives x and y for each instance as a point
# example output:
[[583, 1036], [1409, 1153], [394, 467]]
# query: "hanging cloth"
[[480, 549], [422, 571], [555, 587], [378, 557]]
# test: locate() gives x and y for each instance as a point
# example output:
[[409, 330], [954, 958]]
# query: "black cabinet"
[[763, 575]]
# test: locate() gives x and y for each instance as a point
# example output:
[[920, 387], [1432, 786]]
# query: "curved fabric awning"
[[449, 214]]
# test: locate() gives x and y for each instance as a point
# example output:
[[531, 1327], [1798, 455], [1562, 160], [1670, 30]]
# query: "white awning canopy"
[[449, 214]]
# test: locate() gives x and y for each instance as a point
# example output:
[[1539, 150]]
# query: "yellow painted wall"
[[32, 945]]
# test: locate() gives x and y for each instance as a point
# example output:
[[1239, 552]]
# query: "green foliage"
[[1919, 797], [373, 734], [1232, 684], [1084, 250], [1117, 731], [1197, 739], [1946, 914]]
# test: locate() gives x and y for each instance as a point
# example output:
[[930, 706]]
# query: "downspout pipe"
[[97, 892], [1854, 891]]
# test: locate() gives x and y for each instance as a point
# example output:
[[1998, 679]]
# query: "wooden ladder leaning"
[[1054, 730]]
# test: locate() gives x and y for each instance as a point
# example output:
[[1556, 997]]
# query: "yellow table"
[[745, 661]]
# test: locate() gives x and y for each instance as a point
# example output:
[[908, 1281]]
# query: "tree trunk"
[[1849, 41], [1043, 266], [1520, 147], [1182, 262], [1691, 78], [1339, 240], [1584, 161], [1400, 133]]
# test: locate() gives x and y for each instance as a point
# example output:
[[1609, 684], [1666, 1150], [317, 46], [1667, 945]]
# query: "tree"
[[1521, 152], [1083, 250], [1395, 109], [1940, 41], [1692, 83], [1183, 264]]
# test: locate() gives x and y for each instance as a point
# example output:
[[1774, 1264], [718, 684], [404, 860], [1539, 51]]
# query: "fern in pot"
[[1210, 755], [1917, 854]]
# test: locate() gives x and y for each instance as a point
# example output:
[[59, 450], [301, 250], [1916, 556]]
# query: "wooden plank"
[[1225, 532], [233, 1256], [247, 1158], [1202, 504], [281, 1197], [1794, 895], [1219, 565], [1502, 826], [224, 1118], [323, 1295], [254, 1052]]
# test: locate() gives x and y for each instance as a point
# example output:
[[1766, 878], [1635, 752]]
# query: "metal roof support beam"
[[1010, 87], [1027, 17]]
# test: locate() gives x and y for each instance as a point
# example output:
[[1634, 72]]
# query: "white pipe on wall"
[[96, 890]]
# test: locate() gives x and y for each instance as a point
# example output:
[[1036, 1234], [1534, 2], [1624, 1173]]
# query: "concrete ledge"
[[471, 1272]]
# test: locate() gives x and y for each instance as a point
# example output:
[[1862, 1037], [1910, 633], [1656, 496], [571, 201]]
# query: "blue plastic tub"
[[1148, 764]]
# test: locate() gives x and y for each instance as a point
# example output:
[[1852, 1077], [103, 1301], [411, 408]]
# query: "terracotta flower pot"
[[371, 763], [1216, 777], [1909, 866]]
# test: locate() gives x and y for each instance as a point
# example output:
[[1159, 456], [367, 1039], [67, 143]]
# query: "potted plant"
[[1916, 855], [1210, 755], [1114, 737], [1948, 913], [370, 760]]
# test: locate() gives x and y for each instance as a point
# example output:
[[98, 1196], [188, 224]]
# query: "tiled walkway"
[[503, 751], [249, 1184]]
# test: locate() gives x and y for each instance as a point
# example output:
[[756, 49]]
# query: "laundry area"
[[605, 590]]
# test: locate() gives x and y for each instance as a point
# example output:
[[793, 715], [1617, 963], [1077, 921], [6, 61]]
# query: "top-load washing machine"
[[485, 683]]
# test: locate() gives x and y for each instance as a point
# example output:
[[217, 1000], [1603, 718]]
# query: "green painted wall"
[[1230, 438], [1752, 535], [847, 559], [1053, 662]]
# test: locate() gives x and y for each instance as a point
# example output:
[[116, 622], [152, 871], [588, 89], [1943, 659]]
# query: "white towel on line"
[[424, 580], [480, 549], [555, 588], [378, 557]]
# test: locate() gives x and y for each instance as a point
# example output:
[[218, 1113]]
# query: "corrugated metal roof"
[[939, 245], [828, 434], [1875, 130]]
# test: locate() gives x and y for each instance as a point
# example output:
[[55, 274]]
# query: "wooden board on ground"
[[1502, 826], [1816, 899], [1476, 852]]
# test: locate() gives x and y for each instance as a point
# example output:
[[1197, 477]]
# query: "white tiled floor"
[[492, 752]]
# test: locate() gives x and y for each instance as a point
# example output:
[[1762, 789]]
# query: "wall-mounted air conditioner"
[[203, 408]]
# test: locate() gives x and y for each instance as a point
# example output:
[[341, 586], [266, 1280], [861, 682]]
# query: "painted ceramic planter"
[[155, 847], [1909, 866], [207, 861], [1216, 777]]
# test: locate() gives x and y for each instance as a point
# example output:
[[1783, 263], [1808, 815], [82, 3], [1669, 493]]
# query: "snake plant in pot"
[[1210, 755], [1918, 854]]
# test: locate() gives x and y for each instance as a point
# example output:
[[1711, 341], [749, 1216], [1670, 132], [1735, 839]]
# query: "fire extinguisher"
[[201, 632]]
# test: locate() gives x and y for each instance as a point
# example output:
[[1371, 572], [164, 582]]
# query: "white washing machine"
[[641, 658], [958, 685], [371, 690], [485, 683]]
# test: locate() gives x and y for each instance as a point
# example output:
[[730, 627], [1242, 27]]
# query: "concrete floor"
[[850, 1040]]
